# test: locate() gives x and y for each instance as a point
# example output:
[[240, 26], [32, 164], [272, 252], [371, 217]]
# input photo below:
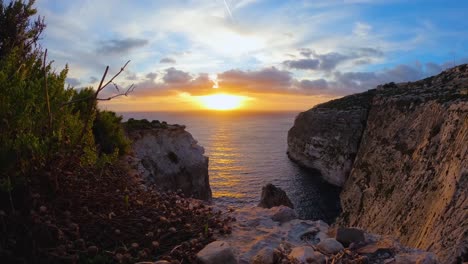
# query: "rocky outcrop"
[[169, 157], [274, 196], [257, 238], [326, 138], [409, 178]]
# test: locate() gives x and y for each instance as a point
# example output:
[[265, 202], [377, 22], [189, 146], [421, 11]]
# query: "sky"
[[267, 55]]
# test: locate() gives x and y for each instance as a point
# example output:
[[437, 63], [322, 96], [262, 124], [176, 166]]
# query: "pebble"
[[92, 250]]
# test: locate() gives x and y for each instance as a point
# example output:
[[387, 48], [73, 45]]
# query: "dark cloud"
[[329, 61], [174, 81], [167, 60], [303, 64], [313, 85], [151, 76], [273, 80], [264, 80], [306, 52], [176, 76], [117, 46], [351, 82], [73, 81]]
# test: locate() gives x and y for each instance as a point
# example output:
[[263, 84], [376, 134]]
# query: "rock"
[[306, 254], [217, 252], [283, 214], [346, 235], [384, 244], [264, 256], [330, 246], [171, 158], [93, 250], [274, 196], [326, 138], [416, 258]]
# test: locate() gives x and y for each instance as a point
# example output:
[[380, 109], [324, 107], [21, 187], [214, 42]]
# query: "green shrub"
[[109, 134]]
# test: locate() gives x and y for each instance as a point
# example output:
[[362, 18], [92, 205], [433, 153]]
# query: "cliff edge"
[[171, 158], [404, 168]]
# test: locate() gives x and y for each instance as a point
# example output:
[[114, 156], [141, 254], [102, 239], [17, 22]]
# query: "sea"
[[247, 151]]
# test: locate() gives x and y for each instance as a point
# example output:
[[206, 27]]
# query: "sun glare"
[[222, 102]]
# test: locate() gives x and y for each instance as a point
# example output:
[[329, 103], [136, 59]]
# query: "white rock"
[[218, 252], [330, 246]]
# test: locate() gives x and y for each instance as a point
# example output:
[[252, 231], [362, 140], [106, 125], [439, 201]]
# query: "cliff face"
[[172, 159], [410, 176], [326, 138]]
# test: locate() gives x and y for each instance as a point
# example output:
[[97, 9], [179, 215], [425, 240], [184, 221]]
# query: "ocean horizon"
[[247, 150]]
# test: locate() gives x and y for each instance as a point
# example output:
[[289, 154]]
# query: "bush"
[[109, 134]]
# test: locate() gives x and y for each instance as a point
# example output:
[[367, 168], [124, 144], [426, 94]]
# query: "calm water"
[[247, 151]]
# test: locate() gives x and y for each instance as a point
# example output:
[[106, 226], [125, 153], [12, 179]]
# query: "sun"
[[222, 102]]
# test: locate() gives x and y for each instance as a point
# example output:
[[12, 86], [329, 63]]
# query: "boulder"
[[217, 252], [283, 214], [273, 196], [306, 254], [346, 235], [330, 246], [265, 256]]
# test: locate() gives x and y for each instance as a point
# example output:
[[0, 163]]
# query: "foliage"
[[144, 124], [44, 125], [108, 133]]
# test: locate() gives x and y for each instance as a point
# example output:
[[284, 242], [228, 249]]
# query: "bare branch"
[[127, 92], [112, 79]]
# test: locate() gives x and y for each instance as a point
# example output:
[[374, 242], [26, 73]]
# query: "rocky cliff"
[[170, 157], [409, 177], [326, 138]]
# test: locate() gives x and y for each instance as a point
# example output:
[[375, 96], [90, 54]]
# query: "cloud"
[[167, 60], [303, 64], [264, 80], [271, 80], [362, 29], [175, 76], [306, 52], [73, 81], [351, 82], [313, 85], [118, 46], [131, 76], [172, 82], [151, 76], [330, 61]]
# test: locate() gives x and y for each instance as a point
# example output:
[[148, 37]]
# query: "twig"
[[176, 247]]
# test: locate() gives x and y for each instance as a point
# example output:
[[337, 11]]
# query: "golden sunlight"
[[222, 101]]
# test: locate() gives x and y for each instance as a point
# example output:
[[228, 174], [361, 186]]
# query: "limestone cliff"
[[171, 158], [410, 175], [326, 138]]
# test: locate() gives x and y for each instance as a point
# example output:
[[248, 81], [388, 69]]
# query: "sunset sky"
[[260, 54]]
